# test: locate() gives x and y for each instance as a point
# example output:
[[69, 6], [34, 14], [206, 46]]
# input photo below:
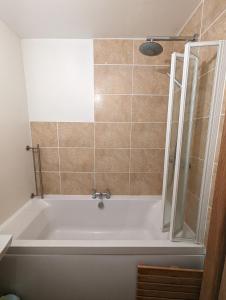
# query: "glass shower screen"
[[176, 71], [195, 101]]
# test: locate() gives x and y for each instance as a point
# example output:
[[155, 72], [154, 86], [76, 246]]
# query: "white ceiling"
[[95, 18]]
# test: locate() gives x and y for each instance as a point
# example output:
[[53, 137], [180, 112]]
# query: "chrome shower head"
[[151, 48]]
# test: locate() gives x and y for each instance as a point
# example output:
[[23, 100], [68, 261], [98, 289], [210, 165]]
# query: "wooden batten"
[[156, 283]]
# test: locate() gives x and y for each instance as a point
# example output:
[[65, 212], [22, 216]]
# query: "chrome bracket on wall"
[[37, 173]]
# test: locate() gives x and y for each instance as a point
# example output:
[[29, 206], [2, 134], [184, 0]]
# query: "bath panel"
[[82, 277]]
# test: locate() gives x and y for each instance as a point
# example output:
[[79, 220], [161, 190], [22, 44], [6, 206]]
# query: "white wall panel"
[[16, 177], [59, 79]]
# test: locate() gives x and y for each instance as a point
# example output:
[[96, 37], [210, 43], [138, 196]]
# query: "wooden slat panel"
[[170, 280], [160, 283], [168, 287], [171, 272], [167, 294], [153, 298]]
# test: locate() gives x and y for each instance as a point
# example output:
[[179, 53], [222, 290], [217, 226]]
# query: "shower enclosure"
[[195, 105]]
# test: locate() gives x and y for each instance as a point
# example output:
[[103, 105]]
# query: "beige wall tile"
[[77, 159], [173, 141], [212, 9], [207, 58], [44, 134], [49, 159], [112, 108], [145, 184], [77, 183], [195, 176], [199, 137], [150, 80], [179, 72], [217, 31], [147, 160], [214, 174], [208, 55], [162, 59], [112, 160], [51, 183], [219, 138], [204, 92], [194, 24], [176, 106], [207, 225], [224, 102], [113, 51], [116, 183], [112, 135], [191, 210], [76, 134], [179, 46], [113, 79], [148, 135], [149, 108]]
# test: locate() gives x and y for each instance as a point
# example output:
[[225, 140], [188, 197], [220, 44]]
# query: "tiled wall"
[[123, 150], [209, 20]]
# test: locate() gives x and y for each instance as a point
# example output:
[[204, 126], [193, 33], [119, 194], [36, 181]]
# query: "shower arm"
[[173, 38]]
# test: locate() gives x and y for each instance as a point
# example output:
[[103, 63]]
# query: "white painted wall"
[[16, 179], [59, 79], [95, 18]]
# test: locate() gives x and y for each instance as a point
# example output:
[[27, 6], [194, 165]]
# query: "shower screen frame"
[[167, 209], [213, 127]]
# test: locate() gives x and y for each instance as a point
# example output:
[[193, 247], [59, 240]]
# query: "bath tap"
[[100, 195]]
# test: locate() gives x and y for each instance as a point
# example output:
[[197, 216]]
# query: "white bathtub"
[[71, 236], [76, 221]]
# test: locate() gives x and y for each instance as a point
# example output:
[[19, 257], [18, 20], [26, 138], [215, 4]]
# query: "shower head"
[[151, 48]]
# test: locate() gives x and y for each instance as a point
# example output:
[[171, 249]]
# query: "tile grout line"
[[133, 65], [143, 38], [58, 150], [104, 172], [201, 20], [189, 18], [206, 73], [115, 148], [197, 158], [94, 122], [201, 117], [132, 94], [212, 23], [137, 122], [131, 116], [193, 194], [94, 152]]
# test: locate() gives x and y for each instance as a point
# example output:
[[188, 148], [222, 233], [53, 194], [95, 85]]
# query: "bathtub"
[[71, 236]]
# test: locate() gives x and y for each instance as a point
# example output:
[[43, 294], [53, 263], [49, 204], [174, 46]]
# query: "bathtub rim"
[[109, 247], [130, 247]]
